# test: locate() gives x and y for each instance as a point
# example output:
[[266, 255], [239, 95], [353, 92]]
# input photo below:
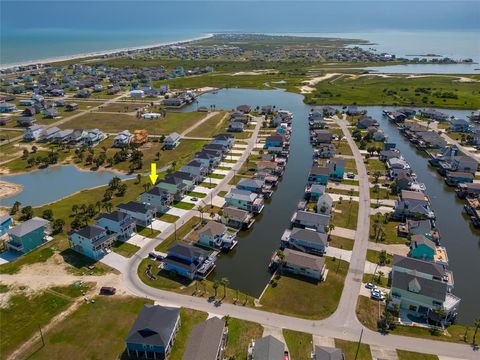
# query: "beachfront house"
[[143, 214], [5, 223], [420, 287], [412, 204], [245, 200], [92, 240], [172, 141], [48, 134], [153, 333], [215, 235], [7, 107], [310, 220], [159, 198], [188, 261], [300, 263], [28, 235], [118, 222], [33, 133], [122, 139], [237, 218], [305, 240], [207, 340]]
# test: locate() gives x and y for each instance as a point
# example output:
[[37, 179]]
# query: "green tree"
[[225, 282], [47, 214], [216, 284], [75, 209], [477, 326], [15, 208], [27, 213], [57, 226]]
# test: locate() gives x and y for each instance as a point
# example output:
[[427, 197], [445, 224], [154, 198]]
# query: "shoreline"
[[102, 53], [9, 189]]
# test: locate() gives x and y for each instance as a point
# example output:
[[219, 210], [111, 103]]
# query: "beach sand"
[[8, 189]]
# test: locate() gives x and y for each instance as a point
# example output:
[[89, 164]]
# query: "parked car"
[[350, 175], [369, 285], [194, 199], [107, 290], [285, 355], [377, 295]]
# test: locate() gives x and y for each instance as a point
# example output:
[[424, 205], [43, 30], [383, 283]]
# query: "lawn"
[[374, 279], [216, 176], [89, 334], [188, 318], [381, 193], [373, 165], [390, 229], [373, 256], [345, 192], [208, 185], [240, 333], [347, 217], [183, 205], [350, 349], [181, 233], [124, 249], [340, 242], [397, 90], [148, 232], [313, 300], [342, 148], [215, 125], [369, 311], [410, 355], [196, 194], [112, 123], [20, 320], [168, 218], [299, 344]]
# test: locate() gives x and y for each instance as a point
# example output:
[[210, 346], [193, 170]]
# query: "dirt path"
[[308, 86]]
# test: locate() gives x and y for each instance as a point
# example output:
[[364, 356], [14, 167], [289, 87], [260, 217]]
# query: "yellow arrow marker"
[[153, 173]]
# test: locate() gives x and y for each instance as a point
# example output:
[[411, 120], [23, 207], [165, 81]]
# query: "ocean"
[[34, 30]]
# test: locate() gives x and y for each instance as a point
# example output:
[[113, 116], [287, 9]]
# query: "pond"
[[246, 266], [53, 183]]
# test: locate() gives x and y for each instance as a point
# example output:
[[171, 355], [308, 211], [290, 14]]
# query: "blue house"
[[120, 223], [6, 107], [92, 240], [143, 214], [337, 168], [422, 248], [253, 185], [188, 261], [159, 198], [459, 125], [5, 222], [274, 141], [245, 200], [153, 333], [318, 175], [28, 235]]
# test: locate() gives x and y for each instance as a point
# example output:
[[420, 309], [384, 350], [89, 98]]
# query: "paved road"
[[342, 324]]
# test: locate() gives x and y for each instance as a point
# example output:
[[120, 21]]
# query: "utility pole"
[[359, 342], [41, 336], [175, 226]]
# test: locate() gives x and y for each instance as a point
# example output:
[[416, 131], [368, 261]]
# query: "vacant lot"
[[215, 125], [113, 123], [240, 333], [350, 349], [300, 344]]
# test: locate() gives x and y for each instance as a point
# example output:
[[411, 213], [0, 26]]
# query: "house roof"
[[136, 207], [244, 195], [421, 266], [311, 217], [426, 287], [326, 198], [114, 216], [317, 170], [421, 239], [309, 235], [90, 231], [205, 340], [254, 183], [5, 218], [156, 191], [268, 348], [154, 325], [213, 228], [28, 226], [328, 353], [186, 250], [173, 137], [235, 214], [413, 195], [304, 260], [195, 163]]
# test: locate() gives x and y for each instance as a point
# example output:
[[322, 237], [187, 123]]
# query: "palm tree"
[[477, 326], [281, 260], [75, 208], [98, 205], [224, 281], [215, 286]]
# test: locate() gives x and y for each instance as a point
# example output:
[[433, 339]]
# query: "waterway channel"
[[246, 266]]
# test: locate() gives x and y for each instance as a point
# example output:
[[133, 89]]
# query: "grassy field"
[[369, 311], [313, 300], [112, 123], [300, 344], [347, 217], [240, 333], [20, 320], [89, 334], [189, 318], [168, 218], [432, 91], [148, 232], [373, 256], [410, 355], [215, 125], [390, 230], [350, 348]]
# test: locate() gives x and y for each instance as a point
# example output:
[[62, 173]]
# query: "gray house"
[[327, 353], [268, 348], [172, 140], [207, 340], [153, 333]]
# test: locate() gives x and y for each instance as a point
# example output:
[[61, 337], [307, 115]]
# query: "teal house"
[[337, 168], [422, 248], [28, 235]]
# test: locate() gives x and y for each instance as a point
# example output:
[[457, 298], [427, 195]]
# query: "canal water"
[[53, 183], [246, 266]]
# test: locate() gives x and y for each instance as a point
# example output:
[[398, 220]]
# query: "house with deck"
[[305, 240], [5, 223], [237, 218], [117, 222], [336, 168], [303, 264], [28, 235], [412, 204], [153, 333], [245, 200], [175, 186], [92, 240], [33, 133], [123, 138], [318, 175], [143, 214], [215, 235], [159, 198], [188, 261], [172, 141], [224, 139], [310, 220], [252, 185], [196, 168]]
